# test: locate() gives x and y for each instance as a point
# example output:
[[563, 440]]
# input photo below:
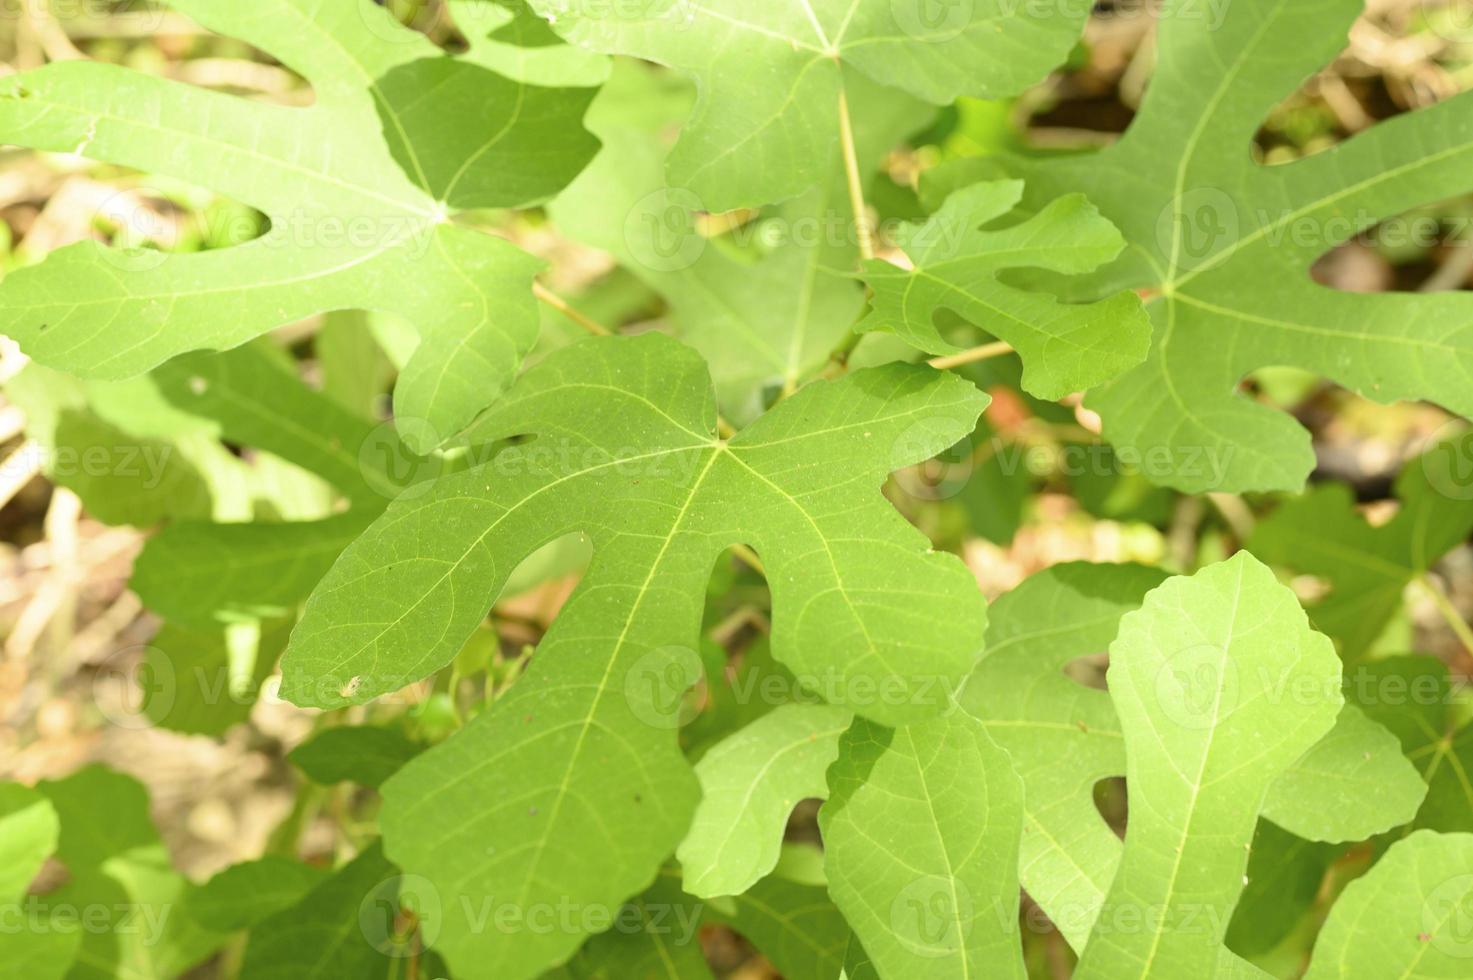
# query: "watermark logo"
[[142, 233], [390, 467], [657, 686], [671, 14], [933, 915], [933, 21], [944, 475], [1448, 465], [396, 911], [661, 231], [1449, 19], [144, 16], [133, 686], [1197, 225], [1197, 686], [402, 21], [1447, 917]]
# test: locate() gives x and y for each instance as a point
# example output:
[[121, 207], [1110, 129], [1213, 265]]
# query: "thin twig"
[[723, 427], [862, 227], [1449, 612], [749, 556], [864, 233], [561, 305], [982, 353]]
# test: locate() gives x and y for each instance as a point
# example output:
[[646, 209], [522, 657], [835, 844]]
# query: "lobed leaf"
[[358, 188], [1225, 244]]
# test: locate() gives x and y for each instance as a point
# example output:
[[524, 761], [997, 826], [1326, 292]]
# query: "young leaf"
[[954, 265], [1369, 568], [358, 188], [921, 834], [1407, 917], [770, 75], [626, 451], [750, 783], [1226, 245], [1192, 676]]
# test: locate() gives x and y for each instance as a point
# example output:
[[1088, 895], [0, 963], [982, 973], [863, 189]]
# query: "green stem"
[[1449, 612]]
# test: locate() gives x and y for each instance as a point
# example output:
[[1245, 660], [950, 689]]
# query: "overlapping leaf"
[[1369, 568], [359, 189], [787, 916], [1407, 917], [201, 574], [625, 450], [118, 867], [345, 926], [1192, 677], [771, 73], [765, 304], [1226, 245], [1064, 737], [921, 834], [750, 783], [1414, 698]]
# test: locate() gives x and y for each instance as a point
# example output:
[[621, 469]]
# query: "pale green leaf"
[[921, 834], [1192, 676], [1408, 917], [117, 864], [750, 783], [766, 303], [28, 831], [1340, 790]]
